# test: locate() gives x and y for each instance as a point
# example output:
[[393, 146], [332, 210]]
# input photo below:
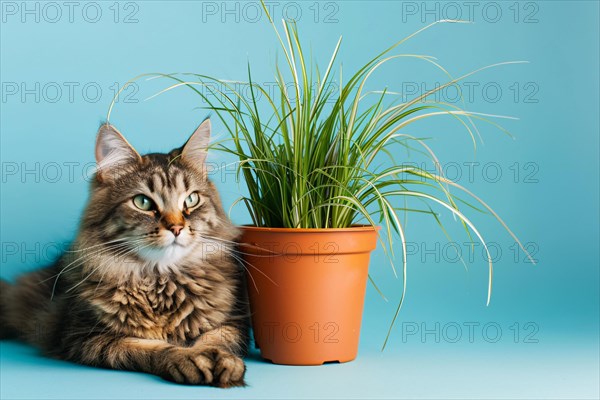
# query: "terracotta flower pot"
[[306, 290]]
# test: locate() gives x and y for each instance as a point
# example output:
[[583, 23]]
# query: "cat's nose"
[[176, 229]]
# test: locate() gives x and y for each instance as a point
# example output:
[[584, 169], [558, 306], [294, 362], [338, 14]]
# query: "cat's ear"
[[195, 149], [112, 152]]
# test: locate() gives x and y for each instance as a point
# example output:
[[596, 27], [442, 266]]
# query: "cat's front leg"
[[186, 365], [229, 369], [226, 345]]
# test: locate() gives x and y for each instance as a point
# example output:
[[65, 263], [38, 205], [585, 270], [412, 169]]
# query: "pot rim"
[[353, 228]]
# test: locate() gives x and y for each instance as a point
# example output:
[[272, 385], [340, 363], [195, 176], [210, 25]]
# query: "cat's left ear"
[[112, 152], [195, 149]]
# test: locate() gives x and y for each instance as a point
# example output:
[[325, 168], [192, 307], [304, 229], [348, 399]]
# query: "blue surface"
[[418, 371], [547, 190]]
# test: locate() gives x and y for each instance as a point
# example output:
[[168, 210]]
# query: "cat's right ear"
[[112, 152]]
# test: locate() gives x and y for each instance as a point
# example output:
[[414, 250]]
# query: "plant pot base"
[[287, 362]]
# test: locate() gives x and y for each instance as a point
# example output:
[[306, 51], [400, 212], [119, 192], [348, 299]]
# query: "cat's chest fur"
[[176, 307]]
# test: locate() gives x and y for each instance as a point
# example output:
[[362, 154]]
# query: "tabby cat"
[[150, 283]]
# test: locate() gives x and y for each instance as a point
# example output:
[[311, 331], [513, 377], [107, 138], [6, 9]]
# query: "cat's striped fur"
[[157, 290]]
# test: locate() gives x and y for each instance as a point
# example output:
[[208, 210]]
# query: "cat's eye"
[[143, 202], [192, 200]]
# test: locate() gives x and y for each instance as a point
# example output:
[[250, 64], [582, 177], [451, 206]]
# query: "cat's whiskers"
[[78, 250], [120, 253], [106, 268], [105, 263], [98, 252], [81, 257], [241, 259], [249, 274], [79, 261]]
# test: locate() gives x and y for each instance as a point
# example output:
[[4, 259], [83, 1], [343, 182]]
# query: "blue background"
[[547, 191]]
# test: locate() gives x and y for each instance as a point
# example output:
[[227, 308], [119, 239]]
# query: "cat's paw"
[[229, 370], [187, 366]]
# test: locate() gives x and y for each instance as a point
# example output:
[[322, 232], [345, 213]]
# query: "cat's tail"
[[26, 307], [6, 332]]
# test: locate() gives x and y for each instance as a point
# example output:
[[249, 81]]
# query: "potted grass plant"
[[319, 197]]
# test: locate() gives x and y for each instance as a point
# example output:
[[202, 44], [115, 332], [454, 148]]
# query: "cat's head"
[[161, 208]]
